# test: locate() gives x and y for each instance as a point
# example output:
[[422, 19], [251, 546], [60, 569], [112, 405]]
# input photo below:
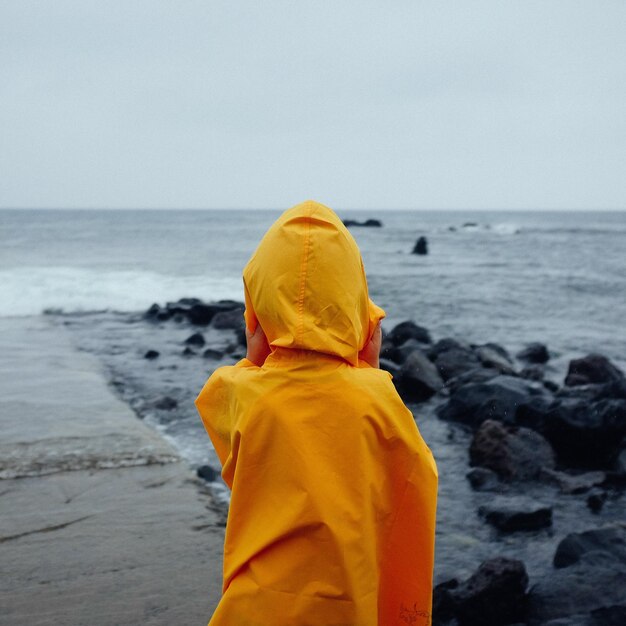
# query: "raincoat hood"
[[305, 285]]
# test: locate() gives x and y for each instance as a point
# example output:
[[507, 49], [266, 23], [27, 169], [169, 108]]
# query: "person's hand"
[[371, 352], [258, 348]]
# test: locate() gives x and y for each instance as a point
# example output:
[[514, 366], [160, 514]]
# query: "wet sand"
[[102, 523]]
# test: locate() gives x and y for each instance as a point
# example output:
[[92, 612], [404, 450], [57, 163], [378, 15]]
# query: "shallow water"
[[463, 539]]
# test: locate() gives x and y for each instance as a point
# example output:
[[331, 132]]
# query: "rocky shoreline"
[[527, 433]]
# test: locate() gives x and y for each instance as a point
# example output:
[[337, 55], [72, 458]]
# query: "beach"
[[102, 522], [504, 339]]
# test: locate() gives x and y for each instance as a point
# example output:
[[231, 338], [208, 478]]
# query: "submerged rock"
[[197, 339], [610, 540], [166, 403], [483, 479], [151, 354], [593, 586], [212, 353], [573, 484], [494, 595], [511, 514], [371, 223], [206, 472]]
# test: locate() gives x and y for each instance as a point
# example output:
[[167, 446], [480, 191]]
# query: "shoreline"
[[103, 522]]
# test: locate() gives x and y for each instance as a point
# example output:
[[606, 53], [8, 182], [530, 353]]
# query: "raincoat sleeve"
[[215, 404]]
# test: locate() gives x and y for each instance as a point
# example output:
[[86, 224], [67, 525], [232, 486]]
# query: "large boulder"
[[498, 399], [514, 453], [593, 586], [572, 484], [515, 513], [586, 435], [494, 595], [593, 368], [419, 378]]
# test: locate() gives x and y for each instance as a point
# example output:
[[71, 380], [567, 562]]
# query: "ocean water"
[[511, 277]]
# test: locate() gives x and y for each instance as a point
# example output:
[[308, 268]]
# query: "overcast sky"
[[468, 104]]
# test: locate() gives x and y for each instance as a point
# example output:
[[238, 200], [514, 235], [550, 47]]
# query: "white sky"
[[356, 103]]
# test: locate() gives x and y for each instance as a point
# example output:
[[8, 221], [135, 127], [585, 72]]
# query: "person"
[[333, 490]]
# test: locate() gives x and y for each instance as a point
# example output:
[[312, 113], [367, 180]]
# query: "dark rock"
[[445, 344], [390, 351], [408, 330], [421, 246], [240, 334], [455, 361], [609, 616], [469, 225], [610, 540], [584, 435], [152, 312], [151, 354], [596, 500], [443, 601], [407, 348], [510, 514], [573, 484], [419, 378], [533, 413], [201, 314], [534, 353], [514, 453], [197, 339], [211, 353], [493, 595], [188, 352], [593, 368], [368, 223], [476, 375], [498, 399], [532, 372], [166, 403], [483, 479], [232, 319], [206, 472], [550, 385], [493, 356], [596, 582]]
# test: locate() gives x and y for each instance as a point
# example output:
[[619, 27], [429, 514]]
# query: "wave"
[[32, 290]]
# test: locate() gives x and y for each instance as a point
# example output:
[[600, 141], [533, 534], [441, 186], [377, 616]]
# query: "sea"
[[558, 277], [511, 277]]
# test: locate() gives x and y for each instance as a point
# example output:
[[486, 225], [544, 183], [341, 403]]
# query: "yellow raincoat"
[[332, 514]]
